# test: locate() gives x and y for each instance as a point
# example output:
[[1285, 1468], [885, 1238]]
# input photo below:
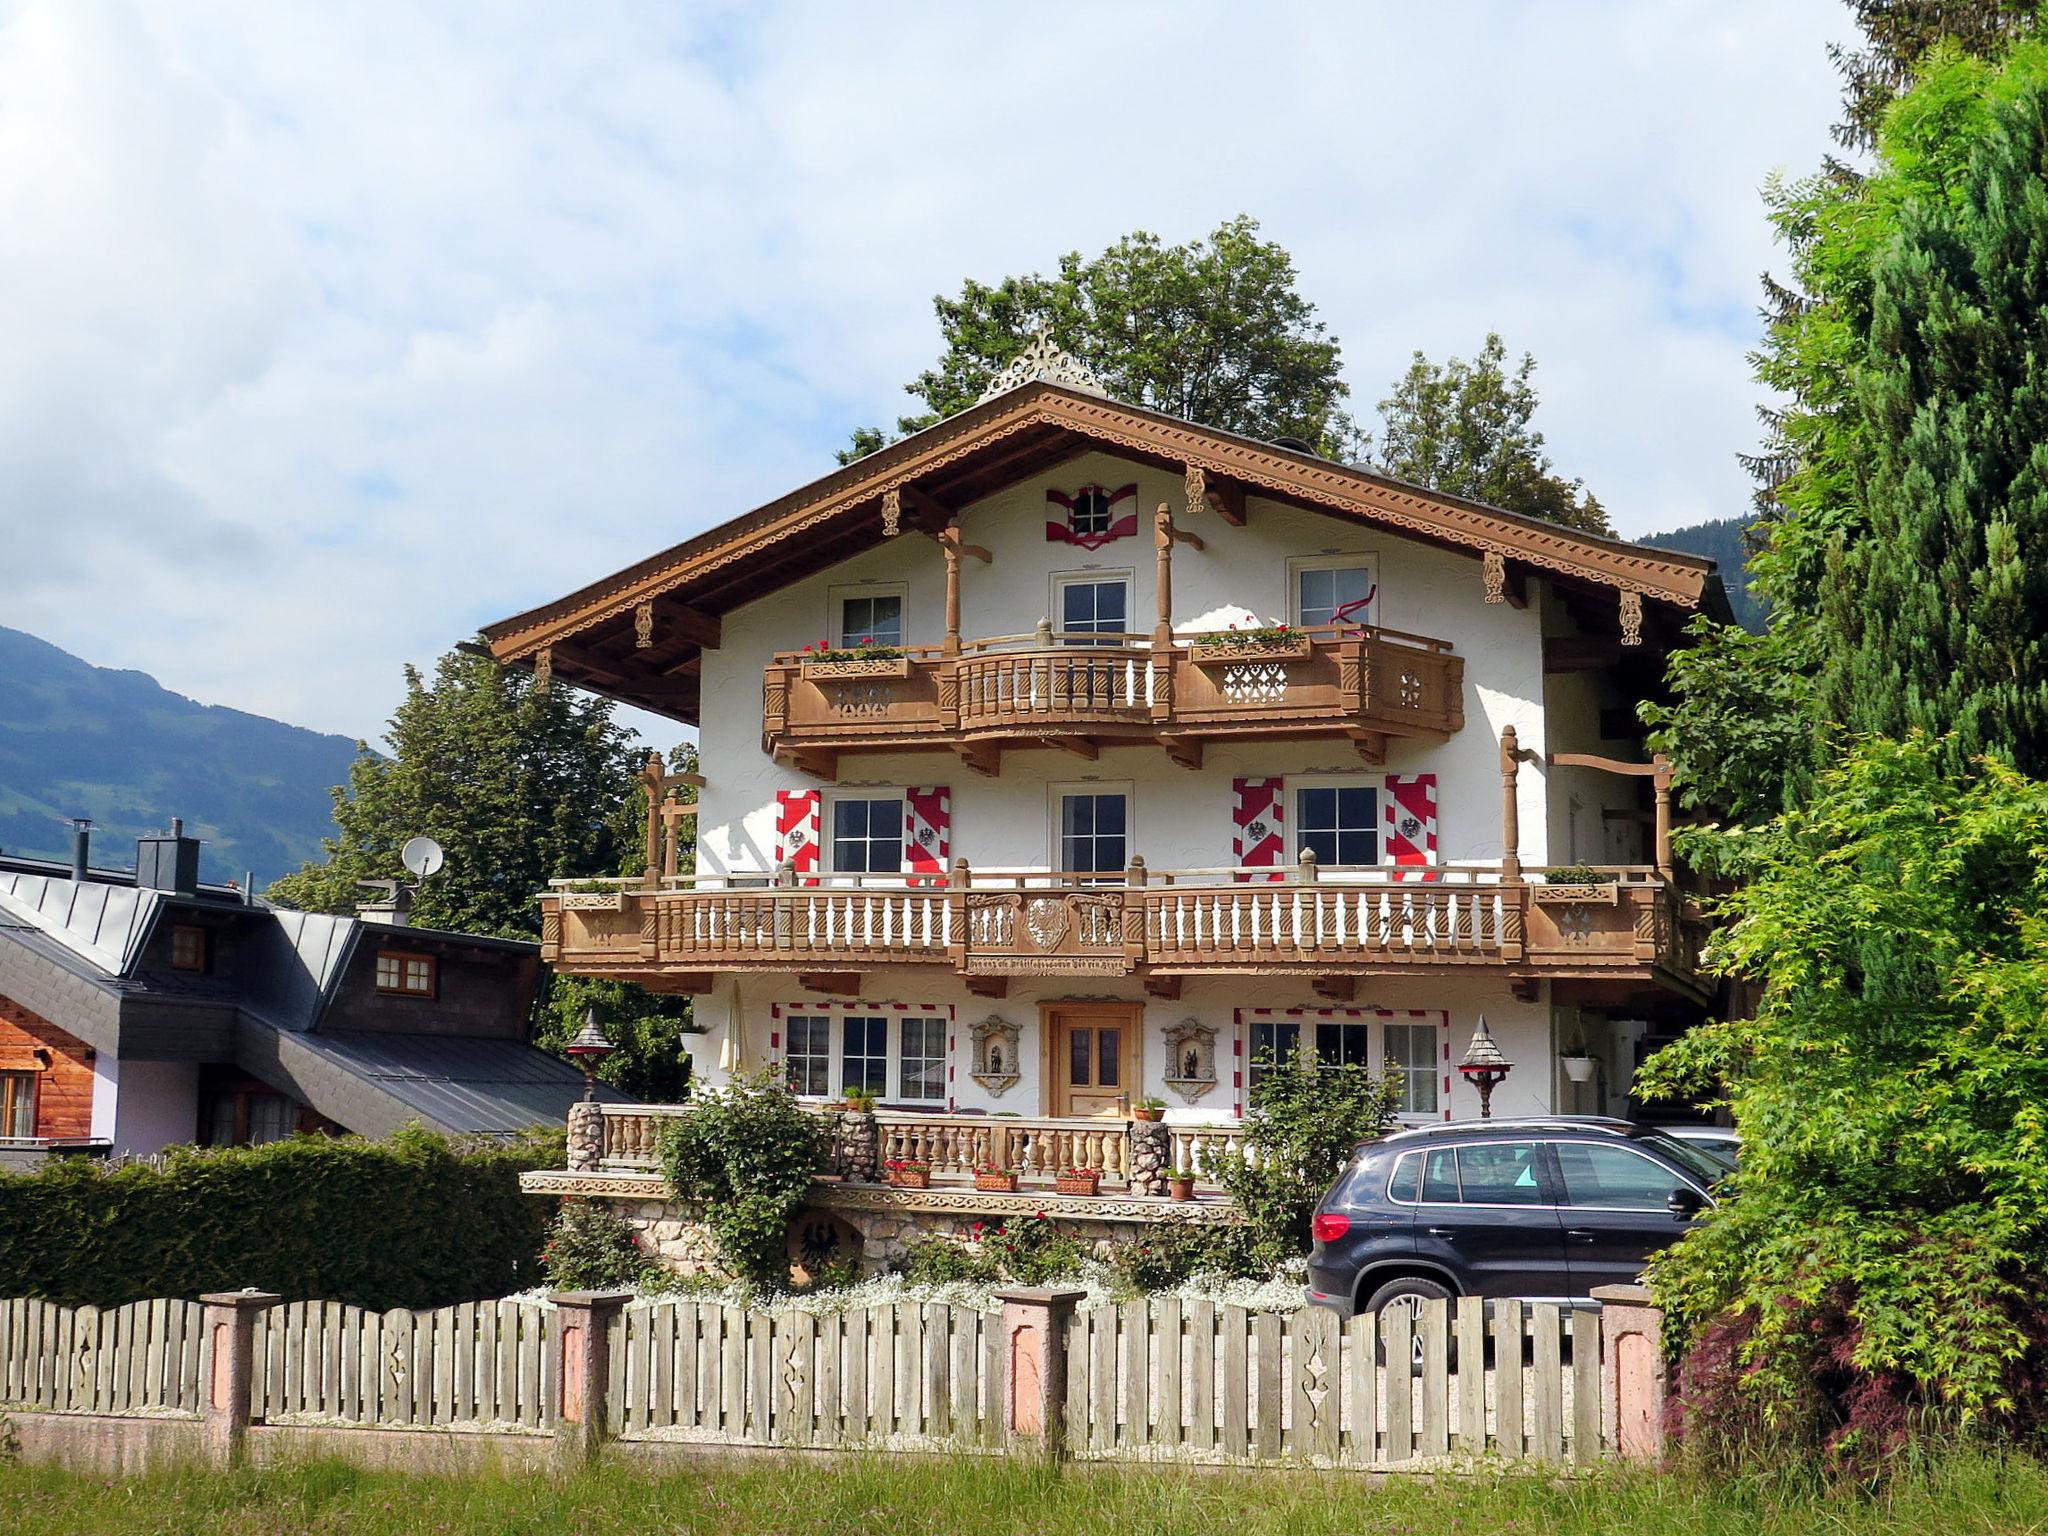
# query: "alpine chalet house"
[[1064, 755]]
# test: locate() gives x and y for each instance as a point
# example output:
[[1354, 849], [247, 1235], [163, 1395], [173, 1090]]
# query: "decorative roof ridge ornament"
[[1042, 360]]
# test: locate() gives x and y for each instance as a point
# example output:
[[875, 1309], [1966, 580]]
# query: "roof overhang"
[[637, 635]]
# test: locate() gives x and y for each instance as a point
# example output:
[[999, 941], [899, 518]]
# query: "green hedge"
[[409, 1222]]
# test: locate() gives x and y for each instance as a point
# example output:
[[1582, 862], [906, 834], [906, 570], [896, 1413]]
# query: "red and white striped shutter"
[[799, 815], [1409, 812], [1261, 823], [927, 833]]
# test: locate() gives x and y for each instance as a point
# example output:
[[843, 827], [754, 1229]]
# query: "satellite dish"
[[421, 855]]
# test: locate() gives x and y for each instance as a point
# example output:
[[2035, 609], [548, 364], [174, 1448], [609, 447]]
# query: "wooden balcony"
[[1085, 692], [985, 925]]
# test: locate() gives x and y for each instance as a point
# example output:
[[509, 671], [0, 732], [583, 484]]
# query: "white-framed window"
[[1338, 818], [1358, 1037], [405, 975], [1334, 589], [1092, 828], [1412, 1050], [864, 832], [870, 614], [898, 1054], [1090, 603]]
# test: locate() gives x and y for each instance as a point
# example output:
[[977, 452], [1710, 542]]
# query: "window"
[[871, 618], [1093, 605], [1089, 513], [1340, 823], [867, 836], [405, 975], [1411, 1051], [188, 948], [1341, 1044], [242, 1116], [1273, 1044], [1613, 1177], [866, 1058], [1093, 833], [272, 1117], [1333, 594], [809, 1058], [18, 1104], [1440, 1177], [1499, 1173], [922, 1072]]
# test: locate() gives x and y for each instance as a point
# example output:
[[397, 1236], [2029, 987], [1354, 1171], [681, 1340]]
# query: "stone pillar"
[[859, 1146], [1035, 1347], [583, 1352], [586, 1136], [1151, 1151], [231, 1329], [1632, 1377]]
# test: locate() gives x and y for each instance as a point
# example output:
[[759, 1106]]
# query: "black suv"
[[1535, 1208]]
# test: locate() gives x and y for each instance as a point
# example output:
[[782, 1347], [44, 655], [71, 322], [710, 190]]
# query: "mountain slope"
[[1722, 541], [80, 740]]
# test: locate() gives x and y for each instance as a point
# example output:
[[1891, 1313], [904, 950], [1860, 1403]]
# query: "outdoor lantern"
[[589, 1050], [1484, 1066]]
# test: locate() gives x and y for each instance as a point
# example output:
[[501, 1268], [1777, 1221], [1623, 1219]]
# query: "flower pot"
[[1077, 1183], [1145, 1112], [1580, 1069], [841, 671], [1181, 1186], [911, 1178], [996, 1183], [1219, 654]]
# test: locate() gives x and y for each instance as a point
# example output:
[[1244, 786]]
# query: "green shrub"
[[591, 1247], [746, 1154], [1173, 1252], [942, 1261], [1304, 1123], [1029, 1251], [412, 1221]]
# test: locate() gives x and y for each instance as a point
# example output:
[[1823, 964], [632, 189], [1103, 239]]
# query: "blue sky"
[[334, 331]]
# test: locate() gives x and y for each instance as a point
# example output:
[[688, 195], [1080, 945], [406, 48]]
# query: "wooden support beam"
[[1080, 746], [1526, 989], [1226, 500], [1165, 987], [678, 983], [1580, 653], [693, 624], [840, 983], [983, 757], [1371, 747], [988, 986], [1336, 989], [1182, 750], [927, 514], [819, 763]]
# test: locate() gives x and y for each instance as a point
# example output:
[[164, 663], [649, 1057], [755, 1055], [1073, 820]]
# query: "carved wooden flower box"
[[844, 671], [1292, 648], [996, 1183], [1589, 894], [1077, 1184], [593, 901]]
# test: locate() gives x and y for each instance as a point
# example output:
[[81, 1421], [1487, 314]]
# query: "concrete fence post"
[[1035, 1350], [1632, 1375], [231, 1330], [583, 1360]]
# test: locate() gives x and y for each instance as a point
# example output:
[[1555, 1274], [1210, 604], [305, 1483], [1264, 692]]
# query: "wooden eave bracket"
[[1371, 747], [839, 983], [983, 757], [1224, 497], [1184, 751], [1164, 987], [1503, 583], [1336, 989], [988, 986]]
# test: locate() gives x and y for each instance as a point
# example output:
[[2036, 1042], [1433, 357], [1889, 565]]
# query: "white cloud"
[[331, 332]]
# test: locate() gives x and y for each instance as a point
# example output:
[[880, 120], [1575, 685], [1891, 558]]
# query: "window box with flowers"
[[994, 1180], [908, 1175], [1239, 644], [822, 662], [1078, 1181], [1580, 885]]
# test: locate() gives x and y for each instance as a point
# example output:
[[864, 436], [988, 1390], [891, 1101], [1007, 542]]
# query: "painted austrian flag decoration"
[[927, 833], [1410, 818], [1261, 832], [1092, 516], [799, 814]]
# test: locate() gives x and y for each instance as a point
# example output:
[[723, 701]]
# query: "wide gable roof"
[[635, 635]]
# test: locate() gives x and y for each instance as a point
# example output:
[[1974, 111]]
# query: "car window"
[[1499, 1173], [1705, 1163], [1406, 1173], [1614, 1177], [1440, 1176]]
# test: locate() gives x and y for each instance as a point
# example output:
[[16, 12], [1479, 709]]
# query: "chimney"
[[81, 846], [392, 906], [168, 862]]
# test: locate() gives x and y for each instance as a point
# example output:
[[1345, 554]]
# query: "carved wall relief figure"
[[995, 1055], [1193, 1045]]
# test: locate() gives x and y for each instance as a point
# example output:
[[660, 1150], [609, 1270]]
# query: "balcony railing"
[[1366, 683], [1294, 919]]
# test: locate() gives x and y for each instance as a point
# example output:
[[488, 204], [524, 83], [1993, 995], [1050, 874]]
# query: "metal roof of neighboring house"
[[104, 924], [470, 1086]]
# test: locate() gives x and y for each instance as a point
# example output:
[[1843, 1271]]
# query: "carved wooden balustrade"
[[1367, 683], [1292, 920]]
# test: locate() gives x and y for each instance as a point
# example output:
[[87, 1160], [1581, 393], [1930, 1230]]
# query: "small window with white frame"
[[921, 1068], [1338, 820], [1092, 607], [1411, 1050], [403, 975], [1347, 1038], [809, 1058], [1338, 589], [868, 615], [1092, 828], [865, 832]]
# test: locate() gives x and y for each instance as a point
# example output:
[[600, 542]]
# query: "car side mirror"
[[1685, 1202]]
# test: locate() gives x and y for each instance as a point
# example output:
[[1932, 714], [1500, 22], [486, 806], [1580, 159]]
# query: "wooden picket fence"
[[1158, 1379]]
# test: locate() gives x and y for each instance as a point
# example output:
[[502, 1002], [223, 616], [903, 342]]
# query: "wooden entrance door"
[[1092, 1059]]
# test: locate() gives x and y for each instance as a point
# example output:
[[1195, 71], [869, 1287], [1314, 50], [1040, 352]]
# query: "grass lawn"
[[879, 1496]]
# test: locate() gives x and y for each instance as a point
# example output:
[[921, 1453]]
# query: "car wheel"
[[1409, 1292]]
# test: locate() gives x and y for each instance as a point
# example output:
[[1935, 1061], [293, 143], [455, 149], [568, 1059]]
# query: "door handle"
[[1584, 1234], [1443, 1232]]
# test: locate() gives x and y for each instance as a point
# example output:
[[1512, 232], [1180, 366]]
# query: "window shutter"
[[927, 833], [798, 816], [1410, 816], [1261, 823]]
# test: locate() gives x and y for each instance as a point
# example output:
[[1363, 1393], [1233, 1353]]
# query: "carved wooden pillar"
[[1162, 537], [673, 814], [1660, 778], [951, 549], [654, 774], [1510, 808]]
